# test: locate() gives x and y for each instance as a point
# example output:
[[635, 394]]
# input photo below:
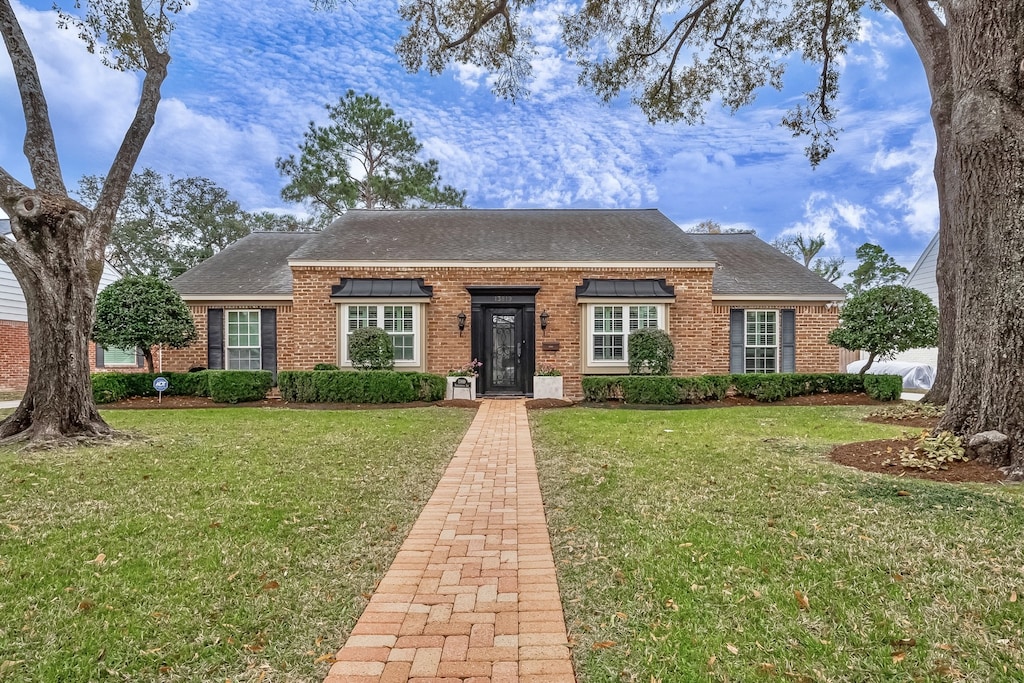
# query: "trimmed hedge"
[[760, 387], [108, 387], [370, 386], [238, 386]]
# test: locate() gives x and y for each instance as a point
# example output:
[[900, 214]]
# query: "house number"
[[502, 299]]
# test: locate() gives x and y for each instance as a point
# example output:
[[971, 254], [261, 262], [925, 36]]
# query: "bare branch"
[[928, 34], [40, 147], [135, 137], [728, 27]]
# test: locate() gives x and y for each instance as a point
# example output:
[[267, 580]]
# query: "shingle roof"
[[255, 265], [749, 266], [481, 235]]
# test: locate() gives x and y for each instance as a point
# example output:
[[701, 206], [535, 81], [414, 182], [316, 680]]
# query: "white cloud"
[[915, 199]]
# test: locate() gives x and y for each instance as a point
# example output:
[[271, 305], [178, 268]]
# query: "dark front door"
[[504, 351]]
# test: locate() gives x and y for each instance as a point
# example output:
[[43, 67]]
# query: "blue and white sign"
[[161, 384]]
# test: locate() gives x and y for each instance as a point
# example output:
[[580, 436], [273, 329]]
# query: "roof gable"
[[748, 266], [256, 265]]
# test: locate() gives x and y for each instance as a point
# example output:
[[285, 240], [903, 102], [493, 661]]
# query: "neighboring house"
[[14, 330], [516, 289], [922, 277]]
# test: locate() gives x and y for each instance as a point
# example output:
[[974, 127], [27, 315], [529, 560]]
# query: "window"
[[122, 357], [611, 325], [400, 321], [244, 351], [761, 343]]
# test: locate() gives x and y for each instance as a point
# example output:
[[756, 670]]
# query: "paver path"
[[471, 596]]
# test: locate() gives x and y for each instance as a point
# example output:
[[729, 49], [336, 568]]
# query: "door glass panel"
[[503, 350]]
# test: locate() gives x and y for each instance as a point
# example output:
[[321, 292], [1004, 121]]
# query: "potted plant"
[[547, 382], [462, 381]]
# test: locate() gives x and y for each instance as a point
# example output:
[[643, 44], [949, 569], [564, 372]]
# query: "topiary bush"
[[370, 348], [380, 386], [236, 386], [650, 352]]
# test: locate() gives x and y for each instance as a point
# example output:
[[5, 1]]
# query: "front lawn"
[[722, 545], [231, 544]]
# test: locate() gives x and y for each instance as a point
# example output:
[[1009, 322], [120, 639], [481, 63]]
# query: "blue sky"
[[246, 78]]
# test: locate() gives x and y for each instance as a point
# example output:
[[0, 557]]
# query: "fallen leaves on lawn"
[[100, 559], [801, 600], [603, 645]]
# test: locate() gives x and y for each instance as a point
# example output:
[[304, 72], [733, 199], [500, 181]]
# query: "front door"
[[504, 351]]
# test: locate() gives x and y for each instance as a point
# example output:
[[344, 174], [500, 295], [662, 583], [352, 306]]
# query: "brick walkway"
[[471, 596]]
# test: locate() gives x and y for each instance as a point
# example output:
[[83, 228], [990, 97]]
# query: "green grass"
[[682, 536], [237, 544]]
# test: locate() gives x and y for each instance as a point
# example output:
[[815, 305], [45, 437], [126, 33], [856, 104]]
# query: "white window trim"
[[778, 340], [588, 317], [227, 336], [418, 331]]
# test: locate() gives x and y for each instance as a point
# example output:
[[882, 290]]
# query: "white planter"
[[547, 386], [460, 391]]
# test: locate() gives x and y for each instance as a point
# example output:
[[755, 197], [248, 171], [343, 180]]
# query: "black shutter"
[[99, 356], [268, 340], [215, 338], [737, 325], [788, 340], [140, 358]]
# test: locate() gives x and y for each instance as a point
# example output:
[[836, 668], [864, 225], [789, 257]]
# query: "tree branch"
[[135, 137], [826, 62], [40, 147], [728, 27], [500, 9], [692, 16], [929, 36]]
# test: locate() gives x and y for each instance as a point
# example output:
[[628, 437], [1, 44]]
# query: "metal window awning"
[[380, 288], [632, 289]]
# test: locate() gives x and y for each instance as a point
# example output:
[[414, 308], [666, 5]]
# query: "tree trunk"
[[946, 263], [60, 295], [148, 354], [987, 196], [871, 359]]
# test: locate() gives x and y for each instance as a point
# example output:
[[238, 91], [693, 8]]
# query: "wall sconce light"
[[544, 321], [462, 322]]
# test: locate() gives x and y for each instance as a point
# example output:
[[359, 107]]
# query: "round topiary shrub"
[[650, 352], [370, 348]]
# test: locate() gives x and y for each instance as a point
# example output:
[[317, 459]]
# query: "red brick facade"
[[307, 328], [14, 356]]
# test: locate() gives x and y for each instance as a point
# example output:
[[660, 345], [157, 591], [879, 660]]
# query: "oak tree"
[[365, 157], [167, 225], [59, 244], [675, 56]]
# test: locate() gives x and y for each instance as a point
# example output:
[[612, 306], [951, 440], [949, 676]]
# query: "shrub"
[[883, 387], [760, 387], [108, 387], [326, 366], [380, 386], [235, 386], [370, 348], [650, 352], [656, 389]]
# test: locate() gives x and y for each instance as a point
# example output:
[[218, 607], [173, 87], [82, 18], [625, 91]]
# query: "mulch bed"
[[871, 456]]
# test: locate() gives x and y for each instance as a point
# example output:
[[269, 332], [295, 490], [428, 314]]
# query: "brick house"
[[516, 289]]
